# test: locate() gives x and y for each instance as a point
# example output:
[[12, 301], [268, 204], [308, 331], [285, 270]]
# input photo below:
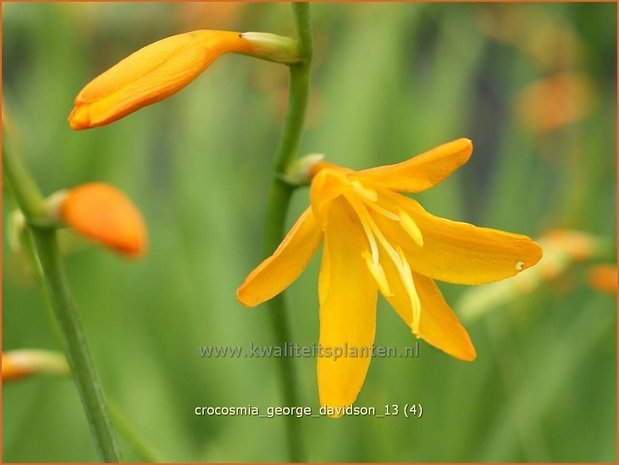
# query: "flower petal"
[[459, 252], [438, 324], [347, 311], [288, 261], [151, 74], [105, 215], [327, 184], [422, 171]]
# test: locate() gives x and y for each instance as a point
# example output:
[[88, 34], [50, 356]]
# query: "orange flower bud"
[[105, 215], [17, 364], [11, 370], [151, 74]]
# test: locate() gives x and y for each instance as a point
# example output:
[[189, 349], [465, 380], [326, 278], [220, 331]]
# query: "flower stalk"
[[32, 203], [279, 202]]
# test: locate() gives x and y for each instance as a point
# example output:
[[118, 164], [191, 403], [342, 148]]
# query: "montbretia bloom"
[[104, 215], [378, 240], [151, 74]]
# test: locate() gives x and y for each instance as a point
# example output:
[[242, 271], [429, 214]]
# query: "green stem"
[[279, 201], [78, 354], [31, 202], [23, 187]]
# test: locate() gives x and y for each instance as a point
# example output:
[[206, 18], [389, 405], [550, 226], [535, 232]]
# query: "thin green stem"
[[31, 202], [23, 186], [279, 201]]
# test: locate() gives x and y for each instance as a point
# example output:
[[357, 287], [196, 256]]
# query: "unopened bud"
[[299, 172], [18, 364]]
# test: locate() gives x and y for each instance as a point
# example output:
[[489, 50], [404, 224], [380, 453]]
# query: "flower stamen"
[[409, 283], [395, 254], [378, 273], [410, 226]]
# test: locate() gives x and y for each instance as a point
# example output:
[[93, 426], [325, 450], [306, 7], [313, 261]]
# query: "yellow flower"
[[151, 74], [378, 240]]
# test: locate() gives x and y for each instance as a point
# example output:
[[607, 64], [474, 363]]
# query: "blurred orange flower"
[[105, 215], [555, 102], [378, 240], [562, 249], [603, 278], [151, 74]]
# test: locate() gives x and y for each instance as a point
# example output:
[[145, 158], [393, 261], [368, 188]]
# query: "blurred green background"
[[534, 87]]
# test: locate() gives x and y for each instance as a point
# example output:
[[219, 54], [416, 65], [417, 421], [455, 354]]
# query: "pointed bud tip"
[[79, 118]]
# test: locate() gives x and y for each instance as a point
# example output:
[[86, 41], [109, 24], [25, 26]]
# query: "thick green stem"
[[32, 204], [279, 201]]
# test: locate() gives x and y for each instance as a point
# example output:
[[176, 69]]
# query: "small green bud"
[[273, 47], [299, 172]]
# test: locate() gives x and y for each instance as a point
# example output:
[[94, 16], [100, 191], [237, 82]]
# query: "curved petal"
[[438, 324], [459, 252], [422, 171], [151, 74], [347, 311], [282, 268]]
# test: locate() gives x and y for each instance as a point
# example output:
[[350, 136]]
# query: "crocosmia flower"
[[151, 74], [105, 215], [377, 240]]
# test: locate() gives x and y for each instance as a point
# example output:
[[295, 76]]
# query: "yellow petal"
[[151, 74], [105, 215], [327, 185], [459, 252], [438, 324], [347, 312], [278, 271], [423, 171]]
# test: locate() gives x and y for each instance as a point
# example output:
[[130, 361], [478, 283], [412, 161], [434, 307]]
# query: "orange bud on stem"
[[21, 363], [151, 74], [105, 215]]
